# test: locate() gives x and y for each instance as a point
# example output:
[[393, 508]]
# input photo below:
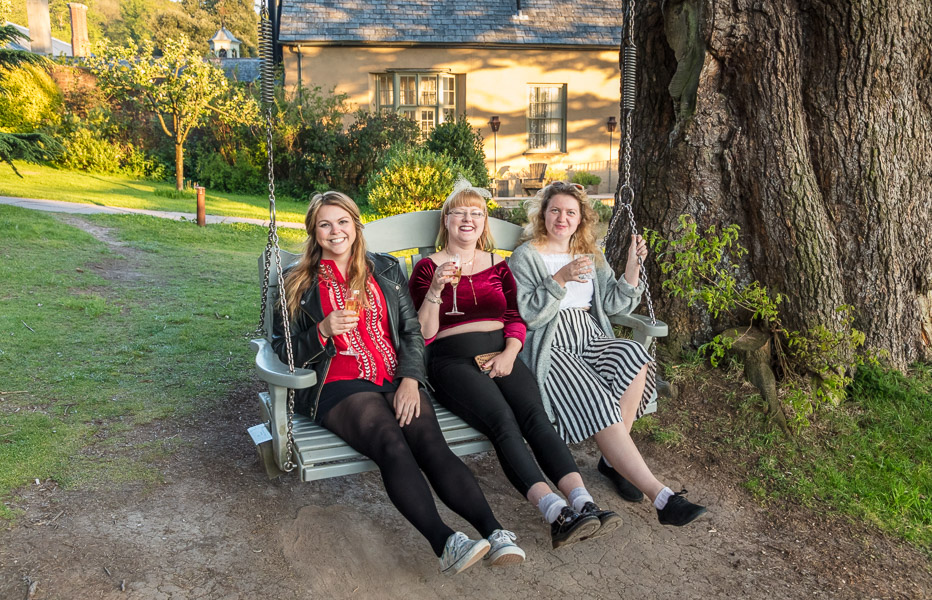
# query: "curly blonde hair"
[[583, 239]]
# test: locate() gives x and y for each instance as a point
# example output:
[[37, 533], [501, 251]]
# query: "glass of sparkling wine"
[[591, 272], [457, 274], [351, 304]]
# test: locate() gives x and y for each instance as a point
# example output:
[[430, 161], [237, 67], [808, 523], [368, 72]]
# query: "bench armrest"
[[274, 372], [641, 328]]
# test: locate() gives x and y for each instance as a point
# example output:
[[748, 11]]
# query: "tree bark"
[[809, 124], [179, 165]]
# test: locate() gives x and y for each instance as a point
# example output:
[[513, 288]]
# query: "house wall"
[[495, 84]]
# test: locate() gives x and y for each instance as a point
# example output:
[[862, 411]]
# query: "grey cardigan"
[[539, 303]]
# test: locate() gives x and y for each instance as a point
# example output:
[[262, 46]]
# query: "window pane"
[[426, 122], [449, 114], [408, 89], [449, 90], [429, 90], [384, 95], [546, 121]]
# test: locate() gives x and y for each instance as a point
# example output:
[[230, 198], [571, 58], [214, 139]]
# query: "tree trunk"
[[809, 124], [179, 166]]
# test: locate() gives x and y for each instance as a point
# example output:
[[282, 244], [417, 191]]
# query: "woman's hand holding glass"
[[579, 270], [443, 275]]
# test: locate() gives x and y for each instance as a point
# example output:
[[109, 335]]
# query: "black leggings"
[[366, 421], [508, 410]]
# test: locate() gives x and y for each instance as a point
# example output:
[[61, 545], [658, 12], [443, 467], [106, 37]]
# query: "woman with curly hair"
[[473, 368], [593, 384]]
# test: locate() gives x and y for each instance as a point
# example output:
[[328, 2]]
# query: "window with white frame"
[[546, 118], [426, 98]]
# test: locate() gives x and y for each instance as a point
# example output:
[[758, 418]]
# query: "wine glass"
[[351, 304], [457, 274]]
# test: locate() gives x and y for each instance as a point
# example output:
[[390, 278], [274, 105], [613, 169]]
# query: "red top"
[[376, 360], [489, 295]]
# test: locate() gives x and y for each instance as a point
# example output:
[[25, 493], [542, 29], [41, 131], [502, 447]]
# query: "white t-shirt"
[[578, 295]]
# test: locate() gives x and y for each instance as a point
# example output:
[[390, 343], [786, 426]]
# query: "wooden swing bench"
[[318, 453]]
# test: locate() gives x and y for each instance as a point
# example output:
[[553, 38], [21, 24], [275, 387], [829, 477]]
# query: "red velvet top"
[[376, 360], [489, 295]]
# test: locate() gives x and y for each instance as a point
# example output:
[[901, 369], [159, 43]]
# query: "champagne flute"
[[457, 274], [351, 304]]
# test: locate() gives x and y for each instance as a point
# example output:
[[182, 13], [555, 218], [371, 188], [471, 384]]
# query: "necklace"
[[468, 277]]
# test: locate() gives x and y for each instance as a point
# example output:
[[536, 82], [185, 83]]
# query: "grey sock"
[[550, 506], [578, 498]]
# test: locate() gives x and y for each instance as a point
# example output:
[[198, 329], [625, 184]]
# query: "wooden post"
[[201, 209]]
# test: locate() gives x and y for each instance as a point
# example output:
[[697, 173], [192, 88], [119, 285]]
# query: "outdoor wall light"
[[495, 123]]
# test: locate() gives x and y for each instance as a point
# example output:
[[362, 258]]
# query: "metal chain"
[[272, 250], [624, 192]]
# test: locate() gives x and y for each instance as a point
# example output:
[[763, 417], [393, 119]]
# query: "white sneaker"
[[503, 550], [460, 553]]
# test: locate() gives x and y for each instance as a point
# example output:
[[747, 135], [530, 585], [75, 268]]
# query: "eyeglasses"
[[474, 214]]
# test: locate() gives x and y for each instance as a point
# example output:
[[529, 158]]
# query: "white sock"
[[578, 498], [607, 464], [550, 506], [661, 500]]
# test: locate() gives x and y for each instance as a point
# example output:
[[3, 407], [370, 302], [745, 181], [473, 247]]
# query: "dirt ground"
[[216, 527]]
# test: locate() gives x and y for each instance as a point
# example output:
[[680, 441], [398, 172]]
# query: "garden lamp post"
[[495, 123], [612, 124]]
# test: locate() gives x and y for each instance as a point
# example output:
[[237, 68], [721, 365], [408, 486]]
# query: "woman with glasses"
[[593, 384], [371, 397], [472, 366]]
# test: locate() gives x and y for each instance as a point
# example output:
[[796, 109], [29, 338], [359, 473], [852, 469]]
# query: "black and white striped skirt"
[[589, 372]]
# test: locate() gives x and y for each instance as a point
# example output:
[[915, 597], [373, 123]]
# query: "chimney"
[[80, 45], [40, 27]]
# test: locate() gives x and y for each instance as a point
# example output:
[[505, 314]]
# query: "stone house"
[[547, 69]]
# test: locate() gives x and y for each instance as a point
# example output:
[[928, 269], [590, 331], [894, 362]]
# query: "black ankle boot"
[[679, 511], [624, 487]]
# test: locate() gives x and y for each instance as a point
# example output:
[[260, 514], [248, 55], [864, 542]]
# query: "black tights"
[[508, 410], [366, 421]]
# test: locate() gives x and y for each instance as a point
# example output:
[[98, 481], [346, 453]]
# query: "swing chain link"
[[272, 250], [624, 192]]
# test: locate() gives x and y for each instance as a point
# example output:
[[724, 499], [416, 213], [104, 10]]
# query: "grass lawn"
[[86, 356], [870, 458], [47, 183]]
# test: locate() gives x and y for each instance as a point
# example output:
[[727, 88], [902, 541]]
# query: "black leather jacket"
[[310, 354]]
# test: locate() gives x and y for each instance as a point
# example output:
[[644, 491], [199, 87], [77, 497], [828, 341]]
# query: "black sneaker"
[[679, 511], [571, 527], [609, 520], [624, 487]]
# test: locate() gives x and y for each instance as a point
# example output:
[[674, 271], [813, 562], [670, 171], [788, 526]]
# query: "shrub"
[[413, 180], [458, 140], [31, 100], [554, 174], [243, 176], [516, 215], [604, 211], [585, 178], [86, 150]]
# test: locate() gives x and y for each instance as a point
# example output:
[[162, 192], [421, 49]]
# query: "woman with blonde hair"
[[475, 333], [352, 321], [593, 384]]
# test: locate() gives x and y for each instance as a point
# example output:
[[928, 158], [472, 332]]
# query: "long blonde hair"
[[465, 197], [305, 272], [583, 239]]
